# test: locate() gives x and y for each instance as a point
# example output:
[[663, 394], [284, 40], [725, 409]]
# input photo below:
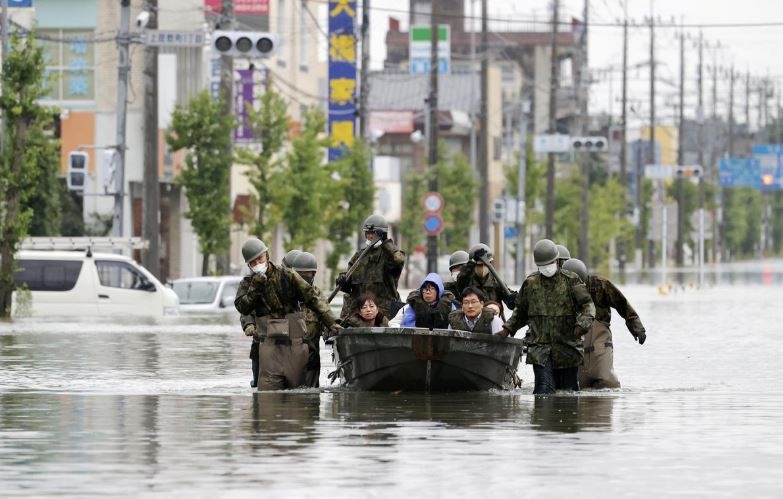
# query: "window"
[[195, 292], [120, 275], [70, 64], [229, 291], [48, 275]]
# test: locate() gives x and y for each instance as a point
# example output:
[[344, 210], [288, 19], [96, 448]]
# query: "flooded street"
[[164, 409]]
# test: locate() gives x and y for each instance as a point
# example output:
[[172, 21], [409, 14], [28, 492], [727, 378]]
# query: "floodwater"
[[164, 409]]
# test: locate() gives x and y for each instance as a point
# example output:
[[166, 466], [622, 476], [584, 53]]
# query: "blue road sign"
[[433, 224], [17, 4], [510, 232], [770, 158], [740, 172]]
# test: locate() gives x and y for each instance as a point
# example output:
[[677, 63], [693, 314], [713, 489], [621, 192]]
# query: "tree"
[[205, 131], [26, 152], [270, 125], [305, 186], [355, 190], [456, 183], [412, 216], [46, 191]]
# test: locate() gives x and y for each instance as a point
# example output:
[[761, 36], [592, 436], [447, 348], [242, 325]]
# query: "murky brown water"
[[164, 409]]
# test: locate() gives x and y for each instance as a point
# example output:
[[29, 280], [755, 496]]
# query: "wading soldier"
[[557, 308], [598, 368], [273, 295], [306, 266], [377, 272]]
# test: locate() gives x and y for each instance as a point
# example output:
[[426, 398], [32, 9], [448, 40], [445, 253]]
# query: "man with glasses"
[[474, 317]]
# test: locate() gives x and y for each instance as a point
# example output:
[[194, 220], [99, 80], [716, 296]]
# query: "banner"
[[342, 76]]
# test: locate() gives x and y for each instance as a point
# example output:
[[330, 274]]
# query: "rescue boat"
[[413, 359]]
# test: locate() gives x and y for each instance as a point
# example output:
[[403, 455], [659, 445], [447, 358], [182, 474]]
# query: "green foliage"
[[27, 155], [45, 198], [458, 186], [743, 215], [269, 124], [410, 228], [305, 185], [72, 220], [535, 182], [355, 190], [205, 131]]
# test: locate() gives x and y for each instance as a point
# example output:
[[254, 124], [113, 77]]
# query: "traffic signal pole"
[[123, 68], [227, 97]]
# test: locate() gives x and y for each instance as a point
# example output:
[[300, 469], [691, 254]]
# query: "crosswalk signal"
[[588, 144], [77, 170], [250, 44]]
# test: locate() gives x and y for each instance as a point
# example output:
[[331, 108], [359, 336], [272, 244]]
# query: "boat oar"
[[349, 273]]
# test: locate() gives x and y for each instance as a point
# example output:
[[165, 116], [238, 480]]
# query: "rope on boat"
[[514, 377], [337, 370]]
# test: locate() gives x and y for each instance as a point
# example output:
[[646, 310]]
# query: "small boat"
[[437, 360]]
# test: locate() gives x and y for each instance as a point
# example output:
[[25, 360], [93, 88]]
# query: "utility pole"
[[726, 193], [123, 69], [651, 145], [364, 89], [472, 106], [484, 138], [680, 259], [716, 239], [550, 160], [584, 233], [223, 260], [432, 240], [521, 186], [621, 254], [151, 192], [747, 101], [700, 122]]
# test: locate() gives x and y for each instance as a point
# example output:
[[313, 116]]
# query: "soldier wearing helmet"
[[288, 259], [457, 260], [597, 371], [377, 272], [306, 266], [558, 310], [476, 275], [562, 255], [274, 295]]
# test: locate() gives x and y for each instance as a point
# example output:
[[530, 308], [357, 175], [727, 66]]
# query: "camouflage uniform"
[[274, 295], [378, 272], [494, 290], [428, 316], [598, 368], [483, 321], [553, 307], [314, 328]]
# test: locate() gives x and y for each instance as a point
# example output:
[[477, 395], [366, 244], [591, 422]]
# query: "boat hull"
[[411, 359]]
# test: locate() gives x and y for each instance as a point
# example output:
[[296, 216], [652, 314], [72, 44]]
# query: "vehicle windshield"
[[194, 292]]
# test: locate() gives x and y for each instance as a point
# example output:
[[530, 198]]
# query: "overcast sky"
[[749, 48]]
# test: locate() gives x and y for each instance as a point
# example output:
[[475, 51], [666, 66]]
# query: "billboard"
[[342, 76]]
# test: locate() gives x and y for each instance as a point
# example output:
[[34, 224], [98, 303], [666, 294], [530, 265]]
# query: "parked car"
[[83, 283], [207, 295]]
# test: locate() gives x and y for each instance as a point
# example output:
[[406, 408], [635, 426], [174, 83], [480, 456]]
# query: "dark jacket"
[[418, 313]]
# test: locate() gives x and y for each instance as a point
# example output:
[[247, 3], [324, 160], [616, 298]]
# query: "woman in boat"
[[474, 316], [366, 313], [429, 306]]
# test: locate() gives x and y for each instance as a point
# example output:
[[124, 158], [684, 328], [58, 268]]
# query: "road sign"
[[662, 172], [420, 56], [552, 143], [159, 38], [433, 224], [740, 172], [433, 202], [770, 159]]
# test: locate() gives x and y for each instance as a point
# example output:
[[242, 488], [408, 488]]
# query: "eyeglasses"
[[471, 302], [429, 288]]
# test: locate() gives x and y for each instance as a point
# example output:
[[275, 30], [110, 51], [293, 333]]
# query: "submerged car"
[[207, 295]]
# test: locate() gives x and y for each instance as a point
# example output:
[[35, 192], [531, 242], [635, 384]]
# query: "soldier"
[[562, 255], [288, 259], [273, 296], [557, 307], [598, 368], [457, 260], [377, 272], [476, 275], [429, 306], [306, 266], [473, 316]]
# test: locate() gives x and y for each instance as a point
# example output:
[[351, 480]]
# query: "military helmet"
[[253, 248], [473, 249], [305, 262], [544, 252], [562, 252], [376, 222], [576, 266], [288, 259], [458, 258]]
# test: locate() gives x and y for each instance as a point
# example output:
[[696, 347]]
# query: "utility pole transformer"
[[123, 69], [151, 191]]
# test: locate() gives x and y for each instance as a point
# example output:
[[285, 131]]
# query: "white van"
[[83, 283]]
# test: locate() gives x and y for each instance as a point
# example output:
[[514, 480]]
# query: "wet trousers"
[[548, 379], [313, 367], [254, 363], [597, 371], [282, 364]]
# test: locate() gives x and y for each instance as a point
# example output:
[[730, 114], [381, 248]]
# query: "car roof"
[[209, 278], [68, 255]]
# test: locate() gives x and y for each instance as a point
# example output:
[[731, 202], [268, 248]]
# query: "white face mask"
[[259, 269], [454, 275], [548, 270]]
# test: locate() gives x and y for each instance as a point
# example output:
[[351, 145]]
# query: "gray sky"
[[749, 48]]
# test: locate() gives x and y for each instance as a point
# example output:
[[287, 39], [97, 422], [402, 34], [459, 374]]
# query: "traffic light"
[[588, 144], [77, 170], [689, 171], [249, 44]]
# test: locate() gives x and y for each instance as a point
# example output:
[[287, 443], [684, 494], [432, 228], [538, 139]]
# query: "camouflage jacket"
[[428, 316], [552, 308], [315, 326], [605, 297], [378, 272], [279, 294], [483, 321], [488, 284]]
